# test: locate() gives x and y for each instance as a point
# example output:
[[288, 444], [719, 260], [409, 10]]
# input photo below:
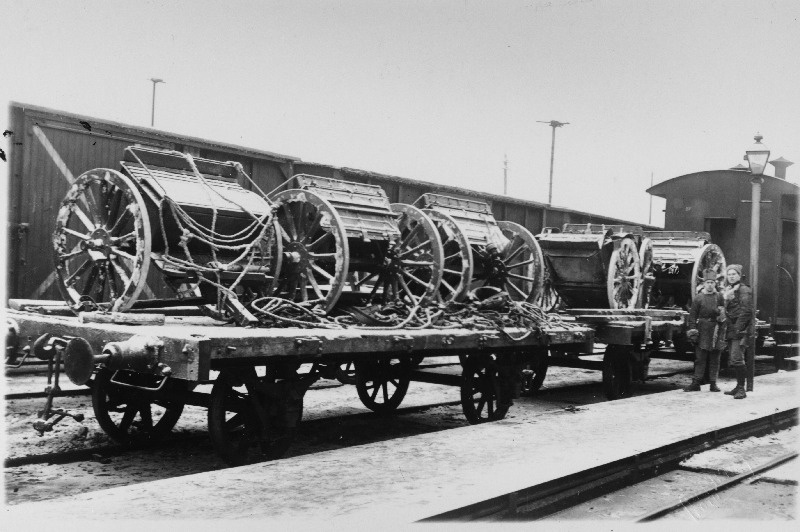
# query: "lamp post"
[[757, 156], [153, 108]]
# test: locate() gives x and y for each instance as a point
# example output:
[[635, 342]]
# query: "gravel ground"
[[190, 451]]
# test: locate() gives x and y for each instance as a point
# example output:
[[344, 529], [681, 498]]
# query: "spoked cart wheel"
[[102, 241], [409, 270], [480, 390], [457, 257], [647, 273], [710, 258], [533, 374], [616, 372], [346, 373], [316, 254], [520, 265], [382, 384], [239, 404], [624, 276], [131, 416]]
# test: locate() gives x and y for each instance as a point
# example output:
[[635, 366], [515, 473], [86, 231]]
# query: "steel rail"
[[539, 501], [664, 510]]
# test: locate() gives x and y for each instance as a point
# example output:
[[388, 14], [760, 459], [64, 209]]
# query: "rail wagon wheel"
[[411, 270], [346, 373], [382, 384], [710, 258], [522, 263], [131, 416], [616, 372], [624, 276], [102, 241], [648, 275], [458, 262], [316, 255], [234, 424], [480, 389], [533, 374]]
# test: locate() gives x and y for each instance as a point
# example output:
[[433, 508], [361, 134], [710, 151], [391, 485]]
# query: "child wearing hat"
[[741, 328], [706, 316]]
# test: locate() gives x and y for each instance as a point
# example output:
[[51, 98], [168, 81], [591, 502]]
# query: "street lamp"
[[554, 124], [757, 156], [153, 109]]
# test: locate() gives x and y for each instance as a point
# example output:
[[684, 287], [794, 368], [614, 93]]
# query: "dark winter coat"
[[703, 317], [740, 312]]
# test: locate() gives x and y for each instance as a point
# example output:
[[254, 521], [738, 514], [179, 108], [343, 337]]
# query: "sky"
[[439, 91]]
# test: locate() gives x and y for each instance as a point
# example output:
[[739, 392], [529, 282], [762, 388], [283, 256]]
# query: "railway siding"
[[493, 469]]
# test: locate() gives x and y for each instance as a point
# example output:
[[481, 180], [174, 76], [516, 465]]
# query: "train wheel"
[[616, 372], [624, 276], [132, 416], [102, 241], [523, 263], [533, 375], [710, 258], [479, 391], [382, 384], [316, 255], [458, 262], [346, 373], [235, 416]]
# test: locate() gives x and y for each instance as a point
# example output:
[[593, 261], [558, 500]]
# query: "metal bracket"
[[307, 343]]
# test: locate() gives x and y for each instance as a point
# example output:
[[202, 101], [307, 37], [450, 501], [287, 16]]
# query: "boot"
[[741, 371], [693, 387], [749, 386], [740, 394], [713, 387]]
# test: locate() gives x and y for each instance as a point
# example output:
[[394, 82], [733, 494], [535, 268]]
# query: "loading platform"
[[493, 470]]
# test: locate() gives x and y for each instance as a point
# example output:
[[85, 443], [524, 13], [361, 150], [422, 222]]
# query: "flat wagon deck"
[[143, 374]]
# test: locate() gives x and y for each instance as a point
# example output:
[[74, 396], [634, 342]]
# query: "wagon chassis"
[[145, 374]]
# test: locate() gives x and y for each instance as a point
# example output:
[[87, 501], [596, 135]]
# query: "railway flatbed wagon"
[[143, 369]]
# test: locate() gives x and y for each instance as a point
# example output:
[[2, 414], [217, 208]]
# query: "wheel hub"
[[99, 241]]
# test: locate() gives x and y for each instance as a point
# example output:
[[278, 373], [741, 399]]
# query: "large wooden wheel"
[[709, 258], [520, 268], [102, 241], [624, 276], [129, 415], [480, 389], [316, 255], [409, 270], [239, 405], [549, 300], [457, 260], [382, 384], [647, 273]]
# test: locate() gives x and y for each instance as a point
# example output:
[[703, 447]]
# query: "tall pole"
[[505, 174], [153, 107], [650, 214], [755, 222], [554, 124]]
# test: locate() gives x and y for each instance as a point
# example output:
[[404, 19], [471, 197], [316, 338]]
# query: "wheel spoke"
[[515, 276], [77, 250], [147, 414], [518, 264], [322, 272], [289, 217], [417, 263], [314, 285], [82, 268], [314, 228], [121, 221], [120, 272], [128, 417], [82, 217], [413, 278], [324, 257], [415, 248], [76, 233], [413, 232], [517, 251], [520, 292], [448, 286], [364, 279], [315, 244], [385, 392], [124, 254]]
